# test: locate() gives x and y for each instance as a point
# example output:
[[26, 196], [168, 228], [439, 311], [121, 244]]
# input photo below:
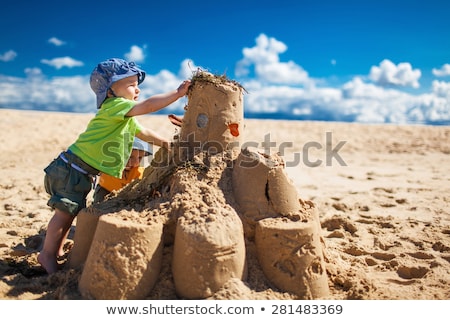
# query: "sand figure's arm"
[[175, 120]]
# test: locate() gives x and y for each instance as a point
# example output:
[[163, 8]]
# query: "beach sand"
[[382, 193]]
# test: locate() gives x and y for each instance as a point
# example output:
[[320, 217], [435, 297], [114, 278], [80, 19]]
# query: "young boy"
[[133, 170], [104, 146]]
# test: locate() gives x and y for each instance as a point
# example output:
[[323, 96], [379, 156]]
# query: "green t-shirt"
[[107, 142]]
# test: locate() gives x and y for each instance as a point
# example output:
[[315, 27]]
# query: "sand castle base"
[[290, 254], [206, 257], [86, 225], [124, 260]]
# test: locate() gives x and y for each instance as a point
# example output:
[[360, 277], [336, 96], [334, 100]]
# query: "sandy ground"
[[382, 192]]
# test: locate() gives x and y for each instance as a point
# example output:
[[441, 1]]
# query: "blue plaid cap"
[[110, 71], [142, 145]]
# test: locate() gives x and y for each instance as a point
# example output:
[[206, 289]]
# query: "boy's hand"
[[183, 88]]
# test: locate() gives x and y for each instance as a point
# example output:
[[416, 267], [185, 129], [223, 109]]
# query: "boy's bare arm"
[[159, 101], [154, 138]]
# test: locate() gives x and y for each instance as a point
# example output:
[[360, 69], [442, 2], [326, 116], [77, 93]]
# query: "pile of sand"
[[208, 198]]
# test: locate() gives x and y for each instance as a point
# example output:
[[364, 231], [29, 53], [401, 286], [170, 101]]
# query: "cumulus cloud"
[[36, 91], [443, 71], [59, 63], [389, 74], [57, 42], [272, 91], [187, 69], [165, 81], [441, 89], [356, 100], [267, 67], [34, 73], [136, 54], [9, 55]]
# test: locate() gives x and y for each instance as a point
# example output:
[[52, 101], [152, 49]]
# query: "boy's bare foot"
[[48, 262]]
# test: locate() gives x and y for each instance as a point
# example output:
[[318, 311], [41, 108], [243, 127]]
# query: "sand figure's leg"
[[206, 256], [291, 256], [84, 233], [124, 260]]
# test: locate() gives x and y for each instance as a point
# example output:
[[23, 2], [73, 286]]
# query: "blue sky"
[[365, 61]]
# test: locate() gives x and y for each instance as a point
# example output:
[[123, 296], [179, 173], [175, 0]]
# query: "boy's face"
[[135, 159], [126, 88]]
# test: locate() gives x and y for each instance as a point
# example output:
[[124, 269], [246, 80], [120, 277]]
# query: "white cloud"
[[264, 58], [11, 90], [9, 55], [57, 42], [270, 98], [188, 69], [358, 89], [36, 91], [59, 63], [356, 100], [388, 74], [34, 73], [441, 89], [442, 71], [136, 54], [165, 81]]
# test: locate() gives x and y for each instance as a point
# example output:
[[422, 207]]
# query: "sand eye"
[[202, 120]]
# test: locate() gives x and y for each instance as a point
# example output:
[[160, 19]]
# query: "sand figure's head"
[[213, 120]]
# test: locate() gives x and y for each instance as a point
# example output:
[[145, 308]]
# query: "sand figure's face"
[[214, 116]]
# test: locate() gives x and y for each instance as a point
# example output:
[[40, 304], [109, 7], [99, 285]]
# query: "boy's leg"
[[58, 227], [63, 241]]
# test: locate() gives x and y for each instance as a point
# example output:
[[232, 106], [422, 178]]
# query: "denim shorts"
[[68, 188]]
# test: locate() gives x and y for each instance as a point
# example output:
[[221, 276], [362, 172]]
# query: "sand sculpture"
[[208, 197]]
